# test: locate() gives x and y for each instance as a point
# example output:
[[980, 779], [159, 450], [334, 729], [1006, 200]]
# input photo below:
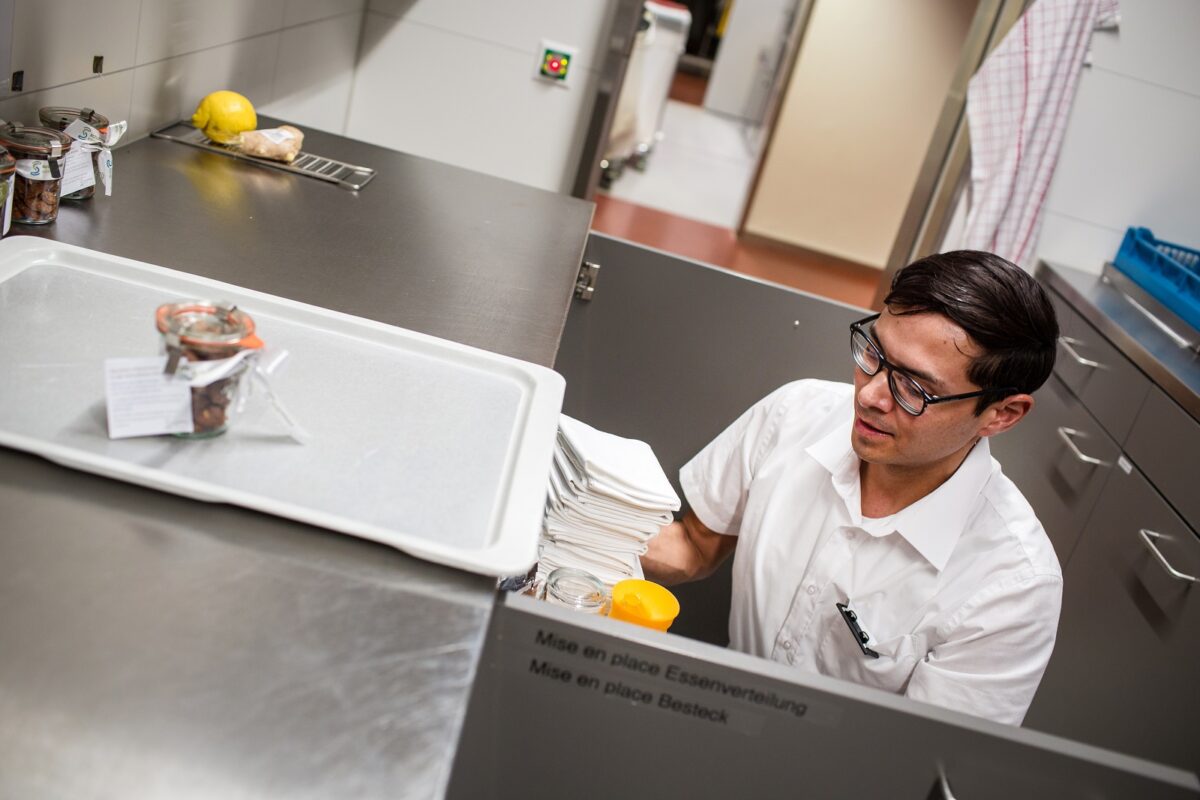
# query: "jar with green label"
[[8, 169], [39, 154], [58, 118]]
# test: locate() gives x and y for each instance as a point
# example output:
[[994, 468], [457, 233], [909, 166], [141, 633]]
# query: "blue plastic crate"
[[1170, 273]]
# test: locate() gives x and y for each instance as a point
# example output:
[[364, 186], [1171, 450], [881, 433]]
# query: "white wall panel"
[[1157, 42], [1130, 155], [583, 24], [108, 94], [167, 91], [54, 40], [1128, 149], [162, 56], [174, 27], [467, 102], [299, 12], [1075, 243], [312, 91]]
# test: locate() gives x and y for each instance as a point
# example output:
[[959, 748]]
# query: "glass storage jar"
[[206, 331], [39, 154], [577, 590], [8, 169], [59, 117]]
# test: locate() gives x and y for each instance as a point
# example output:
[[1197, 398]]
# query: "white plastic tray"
[[433, 447]]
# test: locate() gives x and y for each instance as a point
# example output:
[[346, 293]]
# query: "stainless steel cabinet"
[[1105, 381], [1165, 444], [1123, 674], [1123, 670], [1059, 457]]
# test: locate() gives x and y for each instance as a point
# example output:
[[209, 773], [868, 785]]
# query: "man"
[[874, 537]]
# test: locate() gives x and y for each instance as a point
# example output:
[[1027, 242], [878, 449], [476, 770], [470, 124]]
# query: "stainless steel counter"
[[152, 646], [424, 245], [1174, 368]]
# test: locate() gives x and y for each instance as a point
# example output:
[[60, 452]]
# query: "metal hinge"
[[585, 284]]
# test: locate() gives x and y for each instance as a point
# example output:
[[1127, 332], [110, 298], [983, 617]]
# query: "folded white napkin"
[[603, 538], [636, 527], [563, 496], [608, 571], [625, 469], [607, 498]]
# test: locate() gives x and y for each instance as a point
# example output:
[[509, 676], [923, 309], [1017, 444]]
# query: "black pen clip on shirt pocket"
[[861, 637]]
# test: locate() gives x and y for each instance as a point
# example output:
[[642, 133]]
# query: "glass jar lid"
[[575, 588], [62, 116], [204, 323], [7, 162], [31, 141]]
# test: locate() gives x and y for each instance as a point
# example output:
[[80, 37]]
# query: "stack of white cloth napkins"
[[608, 498]]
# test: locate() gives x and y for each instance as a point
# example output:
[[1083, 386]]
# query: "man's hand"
[[685, 551]]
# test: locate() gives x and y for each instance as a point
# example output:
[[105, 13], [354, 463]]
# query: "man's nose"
[[876, 393]]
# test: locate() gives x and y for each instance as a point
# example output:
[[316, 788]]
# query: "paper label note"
[[278, 135], [77, 171], [143, 401]]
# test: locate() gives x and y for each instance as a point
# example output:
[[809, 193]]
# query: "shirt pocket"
[[839, 655]]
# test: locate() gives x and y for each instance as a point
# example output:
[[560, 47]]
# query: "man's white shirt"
[[959, 592]]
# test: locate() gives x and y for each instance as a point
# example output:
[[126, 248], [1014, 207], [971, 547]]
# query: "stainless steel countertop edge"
[[1056, 277]]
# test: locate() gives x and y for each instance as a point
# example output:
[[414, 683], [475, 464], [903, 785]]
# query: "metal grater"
[[348, 176]]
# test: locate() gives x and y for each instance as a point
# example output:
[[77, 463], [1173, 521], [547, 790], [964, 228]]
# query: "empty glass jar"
[[577, 590]]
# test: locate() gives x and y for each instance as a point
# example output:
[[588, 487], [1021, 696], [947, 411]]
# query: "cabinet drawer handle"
[[1068, 344], [1065, 434], [1148, 537]]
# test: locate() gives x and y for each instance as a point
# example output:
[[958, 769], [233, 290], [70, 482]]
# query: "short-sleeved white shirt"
[[959, 592]]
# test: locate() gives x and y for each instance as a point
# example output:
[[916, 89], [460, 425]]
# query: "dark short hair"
[[997, 303]]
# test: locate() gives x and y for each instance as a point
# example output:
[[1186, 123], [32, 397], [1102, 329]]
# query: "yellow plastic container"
[[644, 603]]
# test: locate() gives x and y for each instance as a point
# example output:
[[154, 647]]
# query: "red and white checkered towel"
[[1017, 109]]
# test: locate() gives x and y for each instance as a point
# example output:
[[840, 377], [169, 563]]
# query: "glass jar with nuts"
[[211, 336], [58, 118], [8, 169], [39, 155]]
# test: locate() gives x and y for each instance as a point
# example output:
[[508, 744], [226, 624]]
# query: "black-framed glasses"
[[907, 393]]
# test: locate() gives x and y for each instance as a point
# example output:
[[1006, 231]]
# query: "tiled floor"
[[811, 272], [700, 169]]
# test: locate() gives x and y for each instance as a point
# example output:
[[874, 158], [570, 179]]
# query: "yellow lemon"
[[224, 115]]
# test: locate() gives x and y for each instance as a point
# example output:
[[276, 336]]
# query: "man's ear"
[[1006, 413]]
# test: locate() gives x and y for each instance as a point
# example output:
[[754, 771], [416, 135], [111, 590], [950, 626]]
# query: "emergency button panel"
[[554, 63]]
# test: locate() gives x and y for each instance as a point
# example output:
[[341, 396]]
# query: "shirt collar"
[[933, 524]]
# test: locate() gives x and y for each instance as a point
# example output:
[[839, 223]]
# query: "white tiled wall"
[[1131, 156], [316, 91], [455, 82], [292, 58]]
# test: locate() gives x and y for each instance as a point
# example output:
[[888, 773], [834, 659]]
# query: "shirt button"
[[812, 588], [787, 644]]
